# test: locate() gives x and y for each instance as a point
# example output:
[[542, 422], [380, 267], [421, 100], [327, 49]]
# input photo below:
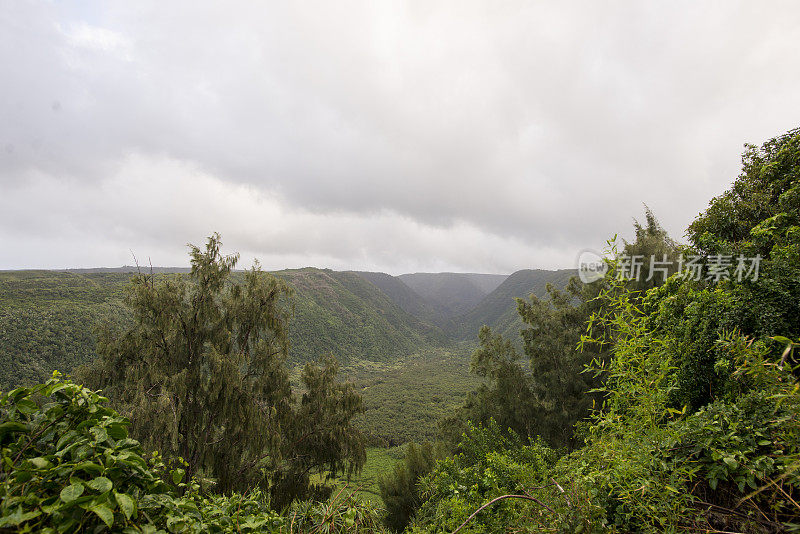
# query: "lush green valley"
[[47, 319], [494, 310], [629, 403], [405, 400], [454, 293]]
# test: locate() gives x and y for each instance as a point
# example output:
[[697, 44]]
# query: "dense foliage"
[[404, 402], [699, 429], [667, 404], [547, 393], [47, 319], [400, 491], [202, 375], [68, 465]]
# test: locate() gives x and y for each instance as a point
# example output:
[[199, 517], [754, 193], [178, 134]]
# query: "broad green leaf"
[[731, 462], [41, 463], [177, 476], [65, 438], [104, 512], [23, 476], [71, 492], [126, 504], [12, 426], [26, 406], [81, 452], [101, 484], [117, 431], [99, 433], [89, 467], [51, 508], [127, 442], [18, 517]]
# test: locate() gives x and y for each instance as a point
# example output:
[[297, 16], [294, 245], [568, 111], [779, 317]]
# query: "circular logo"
[[591, 266]]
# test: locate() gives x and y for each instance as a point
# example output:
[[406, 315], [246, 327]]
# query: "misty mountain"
[[408, 299], [499, 308], [496, 308], [455, 293]]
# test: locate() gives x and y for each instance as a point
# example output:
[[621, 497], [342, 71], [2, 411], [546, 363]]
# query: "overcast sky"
[[413, 136]]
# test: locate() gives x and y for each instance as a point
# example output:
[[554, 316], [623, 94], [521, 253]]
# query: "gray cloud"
[[394, 136]]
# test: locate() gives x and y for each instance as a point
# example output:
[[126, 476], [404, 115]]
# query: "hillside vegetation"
[[663, 404], [342, 314], [47, 319], [455, 293], [498, 309], [409, 300]]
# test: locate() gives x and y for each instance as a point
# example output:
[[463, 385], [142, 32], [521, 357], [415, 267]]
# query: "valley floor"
[[405, 399]]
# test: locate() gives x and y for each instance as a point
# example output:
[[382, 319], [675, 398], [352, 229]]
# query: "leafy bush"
[[67, 462], [489, 463], [399, 490], [68, 465], [729, 465]]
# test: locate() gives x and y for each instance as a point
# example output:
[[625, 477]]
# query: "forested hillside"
[[498, 309], [456, 293], [342, 314], [409, 300], [47, 319]]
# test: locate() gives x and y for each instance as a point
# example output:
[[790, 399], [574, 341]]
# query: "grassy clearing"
[[380, 462]]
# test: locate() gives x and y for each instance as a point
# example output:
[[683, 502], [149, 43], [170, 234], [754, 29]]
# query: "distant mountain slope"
[[499, 309], [47, 317], [456, 293], [408, 299], [129, 269], [344, 314], [46, 320]]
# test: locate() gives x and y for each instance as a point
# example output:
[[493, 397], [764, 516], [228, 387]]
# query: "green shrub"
[[68, 465]]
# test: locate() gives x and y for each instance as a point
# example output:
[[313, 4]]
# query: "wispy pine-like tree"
[[202, 375]]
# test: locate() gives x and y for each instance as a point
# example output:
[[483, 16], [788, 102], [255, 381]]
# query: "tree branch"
[[527, 497]]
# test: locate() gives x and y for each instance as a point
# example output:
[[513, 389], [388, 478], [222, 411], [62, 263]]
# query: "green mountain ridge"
[[47, 317], [499, 308], [456, 293], [341, 313], [409, 300]]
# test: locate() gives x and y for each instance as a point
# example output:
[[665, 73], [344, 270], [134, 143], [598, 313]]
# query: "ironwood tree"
[[202, 374]]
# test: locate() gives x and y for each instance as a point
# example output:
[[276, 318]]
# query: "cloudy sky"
[[394, 136]]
